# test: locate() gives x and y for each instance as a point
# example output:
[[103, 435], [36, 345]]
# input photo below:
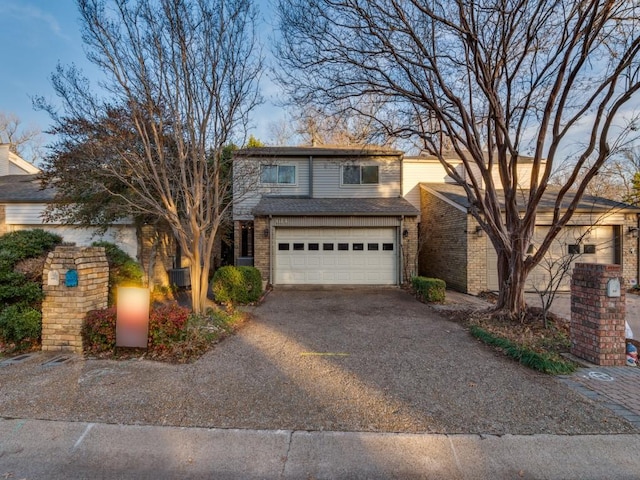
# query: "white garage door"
[[578, 244], [336, 256]]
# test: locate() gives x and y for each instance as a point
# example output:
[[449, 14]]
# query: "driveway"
[[341, 359]]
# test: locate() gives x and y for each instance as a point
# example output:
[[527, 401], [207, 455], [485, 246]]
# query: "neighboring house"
[[453, 246], [324, 216], [311, 215], [23, 203]]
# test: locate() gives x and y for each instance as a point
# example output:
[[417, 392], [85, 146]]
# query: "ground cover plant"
[[22, 257], [175, 333]]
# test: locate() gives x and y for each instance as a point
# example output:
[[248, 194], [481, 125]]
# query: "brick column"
[[64, 307], [597, 320]]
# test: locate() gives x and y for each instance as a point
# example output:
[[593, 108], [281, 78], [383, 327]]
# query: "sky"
[[36, 35]]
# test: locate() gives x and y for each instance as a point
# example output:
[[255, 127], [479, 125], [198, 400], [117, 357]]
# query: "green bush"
[[99, 330], [167, 325], [27, 244], [123, 270], [16, 289], [237, 285], [20, 324], [429, 289]]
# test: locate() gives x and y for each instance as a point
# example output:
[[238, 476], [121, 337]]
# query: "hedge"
[[429, 289], [237, 285]]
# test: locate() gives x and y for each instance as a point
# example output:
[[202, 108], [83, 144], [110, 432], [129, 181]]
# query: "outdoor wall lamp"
[[633, 232], [405, 233], [265, 233], [478, 231]]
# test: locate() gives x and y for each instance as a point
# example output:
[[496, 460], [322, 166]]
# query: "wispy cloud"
[[32, 13]]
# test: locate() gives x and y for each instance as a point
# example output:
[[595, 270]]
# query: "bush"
[[429, 289], [99, 330], [123, 270], [19, 324], [238, 285], [16, 289], [167, 324], [28, 243]]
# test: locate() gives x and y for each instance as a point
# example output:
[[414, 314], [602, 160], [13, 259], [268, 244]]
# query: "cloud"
[[32, 13]]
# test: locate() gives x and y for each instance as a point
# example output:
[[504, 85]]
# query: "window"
[[298, 246], [278, 174], [360, 174], [283, 246], [327, 246], [358, 247], [314, 246], [589, 248], [343, 246], [573, 249], [387, 246], [246, 239], [372, 246]]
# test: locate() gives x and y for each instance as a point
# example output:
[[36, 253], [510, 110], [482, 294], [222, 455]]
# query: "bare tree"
[[182, 76], [24, 141], [494, 79]]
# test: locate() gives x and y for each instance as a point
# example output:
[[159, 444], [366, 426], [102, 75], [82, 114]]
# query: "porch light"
[[478, 231], [132, 317], [633, 232], [265, 233], [405, 233]]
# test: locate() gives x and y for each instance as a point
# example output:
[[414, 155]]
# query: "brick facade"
[[64, 308], [262, 247], [444, 242], [3, 220], [629, 246], [597, 321], [409, 249]]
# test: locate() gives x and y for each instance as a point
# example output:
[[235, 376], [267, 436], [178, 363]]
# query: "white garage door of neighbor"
[[336, 256], [576, 244]]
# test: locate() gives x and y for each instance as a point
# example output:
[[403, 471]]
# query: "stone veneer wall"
[[444, 239], [64, 308], [597, 321]]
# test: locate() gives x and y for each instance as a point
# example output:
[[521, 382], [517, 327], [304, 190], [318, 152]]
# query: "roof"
[[24, 189], [304, 206], [325, 151], [450, 155], [588, 203]]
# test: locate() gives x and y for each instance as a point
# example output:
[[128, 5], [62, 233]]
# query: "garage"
[[574, 244], [336, 256]]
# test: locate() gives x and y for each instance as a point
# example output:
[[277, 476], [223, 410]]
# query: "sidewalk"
[[61, 450]]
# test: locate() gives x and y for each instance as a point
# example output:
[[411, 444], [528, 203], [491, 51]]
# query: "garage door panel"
[[343, 256]]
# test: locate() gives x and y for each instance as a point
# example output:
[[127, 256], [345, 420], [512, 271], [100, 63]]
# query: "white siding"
[[248, 190], [415, 172], [24, 213], [327, 179]]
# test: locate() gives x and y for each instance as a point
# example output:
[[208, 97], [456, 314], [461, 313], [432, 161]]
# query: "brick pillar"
[[597, 320], [64, 307]]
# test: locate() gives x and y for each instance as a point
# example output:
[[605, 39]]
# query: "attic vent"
[[179, 277]]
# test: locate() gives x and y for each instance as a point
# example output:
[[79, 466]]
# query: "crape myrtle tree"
[[490, 80], [179, 80]]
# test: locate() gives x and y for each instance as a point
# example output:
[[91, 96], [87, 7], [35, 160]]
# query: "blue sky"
[[38, 34]]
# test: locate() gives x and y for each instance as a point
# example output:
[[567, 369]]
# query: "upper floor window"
[[280, 174], [359, 174]]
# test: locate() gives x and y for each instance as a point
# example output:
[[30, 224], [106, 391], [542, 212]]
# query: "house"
[[341, 216], [23, 202], [319, 215], [454, 247]]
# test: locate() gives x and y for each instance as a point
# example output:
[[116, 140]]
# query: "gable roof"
[[24, 189], [588, 203], [304, 206]]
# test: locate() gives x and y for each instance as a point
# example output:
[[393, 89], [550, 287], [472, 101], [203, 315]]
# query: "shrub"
[[123, 270], [167, 324], [239, 285], [99, 330], [19, 324], [429, 289], [28, 243], [15, 288]]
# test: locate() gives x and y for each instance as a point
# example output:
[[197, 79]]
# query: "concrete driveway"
[[371, 360]]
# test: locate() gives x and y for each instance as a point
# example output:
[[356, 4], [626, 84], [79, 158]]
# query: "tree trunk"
[[512, 276]]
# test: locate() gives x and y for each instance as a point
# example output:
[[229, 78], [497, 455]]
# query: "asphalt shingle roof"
[[588, 203], [297, 206], [24, 189]]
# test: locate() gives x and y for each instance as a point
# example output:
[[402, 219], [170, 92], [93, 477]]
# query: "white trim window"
[[360, 175], [278, 174]]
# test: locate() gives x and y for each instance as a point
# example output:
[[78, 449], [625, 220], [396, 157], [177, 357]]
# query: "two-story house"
[[324, 216]]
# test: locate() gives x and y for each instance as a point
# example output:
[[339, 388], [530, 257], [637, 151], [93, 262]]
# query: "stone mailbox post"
[[76, 280]]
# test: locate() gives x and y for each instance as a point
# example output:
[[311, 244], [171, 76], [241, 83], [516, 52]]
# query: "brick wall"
[[597, 321], [444, 239], [3, 220], [629, 248], [64, 308], [476, 258], [261, 247]]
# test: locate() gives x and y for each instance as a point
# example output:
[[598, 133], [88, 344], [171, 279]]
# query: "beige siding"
[[248, 190], [415, 172], [327, 178]]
